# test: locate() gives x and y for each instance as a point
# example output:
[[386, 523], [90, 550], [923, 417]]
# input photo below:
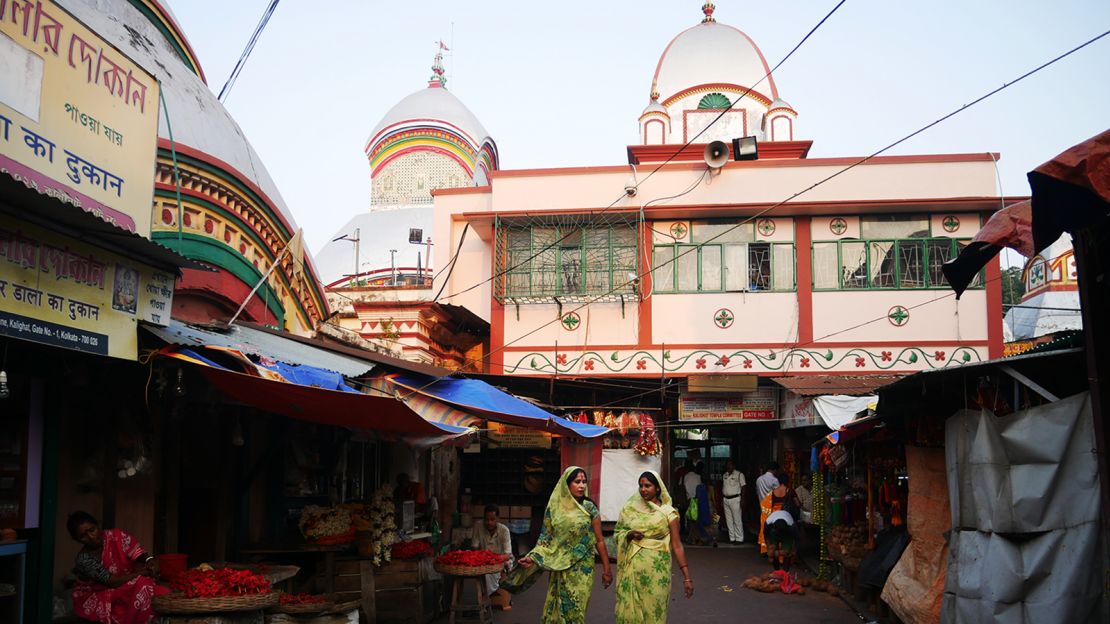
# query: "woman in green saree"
[[571, 534], [646, 533]]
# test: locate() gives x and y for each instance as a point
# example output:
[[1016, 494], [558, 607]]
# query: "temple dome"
[[708, 54], [432, 104]]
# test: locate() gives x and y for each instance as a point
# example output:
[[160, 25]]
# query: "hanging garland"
[[820, 514]]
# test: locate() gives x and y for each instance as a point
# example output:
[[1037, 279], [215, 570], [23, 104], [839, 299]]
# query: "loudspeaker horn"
[[716, 154]]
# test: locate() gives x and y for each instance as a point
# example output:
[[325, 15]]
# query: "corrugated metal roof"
[[256, 342], [817, 385]]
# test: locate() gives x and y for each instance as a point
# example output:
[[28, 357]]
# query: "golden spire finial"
[[708, 9]]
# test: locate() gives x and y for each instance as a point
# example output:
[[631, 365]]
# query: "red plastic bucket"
[[172, 564]]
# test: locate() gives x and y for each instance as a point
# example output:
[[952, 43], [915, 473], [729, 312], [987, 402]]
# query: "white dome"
[[380, 231], [712, 53], [654, 107], [199, 120], [432, 104], [781, 103]]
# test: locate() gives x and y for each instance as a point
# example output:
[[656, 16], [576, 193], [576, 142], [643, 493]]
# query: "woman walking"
[[571, 534], [646, 533]]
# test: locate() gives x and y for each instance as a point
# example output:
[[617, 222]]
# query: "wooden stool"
[[481, 612]]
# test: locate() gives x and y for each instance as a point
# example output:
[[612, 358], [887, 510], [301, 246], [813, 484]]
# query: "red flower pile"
[[215, 583], [302, 599], [411, 550], [470, 558]]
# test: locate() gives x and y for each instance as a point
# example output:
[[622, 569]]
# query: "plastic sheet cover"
[[1024, 493], [915, 587]]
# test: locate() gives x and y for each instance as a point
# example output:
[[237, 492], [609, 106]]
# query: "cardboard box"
[[517, 512]]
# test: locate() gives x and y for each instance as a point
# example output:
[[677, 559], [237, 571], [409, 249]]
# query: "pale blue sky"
[[562, 83]]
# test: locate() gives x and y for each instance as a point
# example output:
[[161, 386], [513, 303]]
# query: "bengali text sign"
[[78, 119], [58, 291]]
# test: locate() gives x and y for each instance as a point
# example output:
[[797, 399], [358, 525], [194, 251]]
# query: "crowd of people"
[[115, 572]]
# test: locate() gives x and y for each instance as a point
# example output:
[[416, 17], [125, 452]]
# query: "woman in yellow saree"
[[570, 535], [646, 533]]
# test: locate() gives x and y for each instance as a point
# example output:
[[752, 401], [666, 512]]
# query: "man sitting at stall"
[[114, 574], [494, 537]]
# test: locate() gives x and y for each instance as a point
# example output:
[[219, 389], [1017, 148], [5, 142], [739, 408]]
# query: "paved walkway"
[[718, 595]]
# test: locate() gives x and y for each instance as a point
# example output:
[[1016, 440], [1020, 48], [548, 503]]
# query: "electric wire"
[[835, 174], [675, 154], [226, 89]]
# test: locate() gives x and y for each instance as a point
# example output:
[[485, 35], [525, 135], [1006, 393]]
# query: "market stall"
[[357, 479]]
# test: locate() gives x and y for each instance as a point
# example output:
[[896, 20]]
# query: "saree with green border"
[[644, 566], [566, 548]]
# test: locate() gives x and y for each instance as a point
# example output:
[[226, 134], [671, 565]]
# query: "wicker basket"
[[303, 609], [178, 604], [454, 570]]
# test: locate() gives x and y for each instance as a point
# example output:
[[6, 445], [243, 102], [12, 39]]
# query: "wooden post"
[[870, 509], [1091, 264], [369, 605]]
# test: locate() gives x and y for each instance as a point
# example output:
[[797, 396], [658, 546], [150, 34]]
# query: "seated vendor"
[[494, 537], [114, 574]]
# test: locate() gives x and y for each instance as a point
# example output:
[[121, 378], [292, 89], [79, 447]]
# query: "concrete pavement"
[[719, 595]]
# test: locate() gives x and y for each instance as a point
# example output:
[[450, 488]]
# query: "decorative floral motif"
[[698, 359], [723, 318], [898, 316], [838, 226], [950, 223], [571, 321], [765, 227], [679, 230]]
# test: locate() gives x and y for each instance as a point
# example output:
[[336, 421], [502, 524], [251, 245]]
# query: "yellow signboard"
[[758, 405], [78, 119], [508, 436], [57, 291]]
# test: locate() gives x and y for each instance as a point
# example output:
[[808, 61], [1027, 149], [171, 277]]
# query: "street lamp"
[[356, 240]]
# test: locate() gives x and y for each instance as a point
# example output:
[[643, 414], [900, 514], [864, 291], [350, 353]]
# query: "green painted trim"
[[711, 101], [213, 252], [678, 248], [48, 509], [271, 211], [247, 229], [164, 29], [529, 268], [895, 249], [461, 142]]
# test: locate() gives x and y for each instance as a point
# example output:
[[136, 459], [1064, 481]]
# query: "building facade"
[[699, 270]]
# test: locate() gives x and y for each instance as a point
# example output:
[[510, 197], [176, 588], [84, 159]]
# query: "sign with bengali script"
[[798, 411], [508, 436], [758, 405], [78, 119], [58, 291]]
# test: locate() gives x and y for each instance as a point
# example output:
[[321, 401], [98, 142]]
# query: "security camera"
[[630, 187]]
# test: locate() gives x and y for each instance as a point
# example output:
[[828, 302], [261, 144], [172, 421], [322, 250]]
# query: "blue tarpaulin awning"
[[477, 396]]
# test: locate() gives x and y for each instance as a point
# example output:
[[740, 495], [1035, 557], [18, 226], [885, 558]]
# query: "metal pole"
[[392, 267], [358, 259]]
